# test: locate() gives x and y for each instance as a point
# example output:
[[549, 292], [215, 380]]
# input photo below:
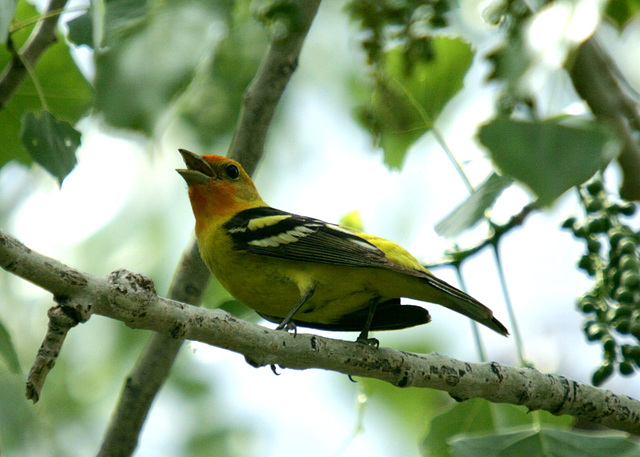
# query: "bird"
[[300, 271]]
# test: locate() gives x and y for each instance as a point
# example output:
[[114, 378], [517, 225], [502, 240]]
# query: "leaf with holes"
[[50, 142]]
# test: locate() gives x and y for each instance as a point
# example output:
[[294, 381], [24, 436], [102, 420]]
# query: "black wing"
[[275, 233]]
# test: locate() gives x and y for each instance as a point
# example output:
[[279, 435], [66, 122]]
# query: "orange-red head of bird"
[[218, 187]]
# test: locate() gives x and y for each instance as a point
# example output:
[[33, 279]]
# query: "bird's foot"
[[373, 342], [288, 327]]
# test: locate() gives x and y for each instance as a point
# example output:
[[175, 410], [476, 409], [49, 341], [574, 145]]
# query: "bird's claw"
[[372, 342], [288, 327]]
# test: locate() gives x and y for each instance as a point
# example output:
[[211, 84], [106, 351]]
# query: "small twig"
[[513, 322], [597, 80], [130, 298], [60, 322], [43, 36], [457, 256]]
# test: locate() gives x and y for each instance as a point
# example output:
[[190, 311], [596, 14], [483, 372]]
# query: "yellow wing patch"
[[394, 252]]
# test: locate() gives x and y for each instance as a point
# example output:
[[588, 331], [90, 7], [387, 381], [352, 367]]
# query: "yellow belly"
[[273, 286]]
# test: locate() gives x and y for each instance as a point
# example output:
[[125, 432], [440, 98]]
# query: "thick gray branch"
[[130, 298]]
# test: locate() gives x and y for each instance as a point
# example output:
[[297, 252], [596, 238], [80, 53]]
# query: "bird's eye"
[[232, 171]]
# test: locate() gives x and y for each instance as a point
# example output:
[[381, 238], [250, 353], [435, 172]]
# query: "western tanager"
[[296, 270]]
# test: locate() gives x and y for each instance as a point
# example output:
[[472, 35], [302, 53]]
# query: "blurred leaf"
[[407, 22], [213, 100], [50, 142], [410, 94], [352, 219], [227, 440], [546, 443], [469, 416], [8, 350], [67, 93], [549, 156], [480, 416], [122, 18], [140, 72], [7, 8], [473, 209], [622, 11], [509, 62], [81, 30]]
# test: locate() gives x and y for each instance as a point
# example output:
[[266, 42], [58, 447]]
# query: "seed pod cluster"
[[612, 306]]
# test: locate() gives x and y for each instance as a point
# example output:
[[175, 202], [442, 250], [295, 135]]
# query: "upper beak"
[[198, 170]]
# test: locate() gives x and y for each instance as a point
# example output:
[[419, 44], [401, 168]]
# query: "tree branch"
[[131, 298], [43, 36], [596, 79], [189, 282], [263, 94]]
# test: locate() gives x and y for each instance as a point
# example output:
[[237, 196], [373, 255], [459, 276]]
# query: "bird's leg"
[[286, 323], [364, 334]]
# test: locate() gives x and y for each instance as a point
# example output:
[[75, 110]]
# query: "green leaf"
[[410, 94], [81, 30], [121, 19], [141, 72], [8, 350], [549, 156], [510, 62], [473, 208], [546, 443], [66, 91], [50, 142], [7, 8], [622, 11], [481, 417], [469, 416]]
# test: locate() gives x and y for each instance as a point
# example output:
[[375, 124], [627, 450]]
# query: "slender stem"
[[49, 13], [507, 299], [452, 158], [482, 356], [437, 134]]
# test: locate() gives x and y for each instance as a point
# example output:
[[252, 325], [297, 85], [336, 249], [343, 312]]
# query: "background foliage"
[[483, 88]]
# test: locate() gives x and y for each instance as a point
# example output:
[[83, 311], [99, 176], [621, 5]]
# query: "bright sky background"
[[319, 163]]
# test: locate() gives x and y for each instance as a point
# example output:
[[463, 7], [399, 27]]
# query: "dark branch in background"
[[131, 298], [43, 36], [597, 80], [189, 282]]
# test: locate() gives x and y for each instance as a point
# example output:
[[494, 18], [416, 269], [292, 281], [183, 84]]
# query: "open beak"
[[198, 170]]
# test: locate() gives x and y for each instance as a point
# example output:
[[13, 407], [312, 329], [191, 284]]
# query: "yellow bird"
[[296, 270]]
